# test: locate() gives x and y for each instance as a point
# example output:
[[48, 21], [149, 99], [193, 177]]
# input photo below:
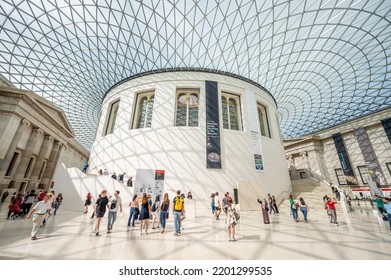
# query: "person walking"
[[217, 206], [115, 204], [303, 208], [164, 207], [133, 211], [30, 199], [129, 183], [294, 208], [4, 196], [270, 201], [275, 204], [14, 207], [156, 212], [231, 220], [225, 203], [39, 212], [144, 213], [85, 166], [178, 208], [212, 204], [264, 209], [379, 204], [100, 209], [87, 202], [57, 203], [183, 216], [387, 207], [332, 211]]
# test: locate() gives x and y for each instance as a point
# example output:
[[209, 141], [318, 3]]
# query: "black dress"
[[144, 213]]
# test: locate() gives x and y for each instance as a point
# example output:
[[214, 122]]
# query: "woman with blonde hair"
[[144, 213], [164, 212]]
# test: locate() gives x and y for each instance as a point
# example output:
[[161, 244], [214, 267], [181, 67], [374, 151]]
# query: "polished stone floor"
[[69, 235]]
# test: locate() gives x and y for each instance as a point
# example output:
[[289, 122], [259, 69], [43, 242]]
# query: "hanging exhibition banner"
[[213, 148], [149, 181], [344, 159], [254, 128], [370, 157], [387, 127]]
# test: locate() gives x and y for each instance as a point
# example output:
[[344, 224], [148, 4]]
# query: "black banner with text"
[[387, 127], [344, 159], [213, 149]]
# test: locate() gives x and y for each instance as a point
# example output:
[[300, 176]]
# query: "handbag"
[[167, 215]]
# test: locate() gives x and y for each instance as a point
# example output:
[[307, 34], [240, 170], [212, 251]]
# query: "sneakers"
[[34, 238], [234, 239]]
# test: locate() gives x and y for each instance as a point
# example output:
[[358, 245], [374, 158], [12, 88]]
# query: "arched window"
[[231, 111], [110, 125], [144, 110], [263, 121], [187, 107]]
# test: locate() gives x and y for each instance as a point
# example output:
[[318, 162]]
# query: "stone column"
[[32, 148], [43, 156], [51, 164], [9, 125], [19, 142]]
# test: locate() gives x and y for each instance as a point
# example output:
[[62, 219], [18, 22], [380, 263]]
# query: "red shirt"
[[330, 204], [42, 195], [89, 197]]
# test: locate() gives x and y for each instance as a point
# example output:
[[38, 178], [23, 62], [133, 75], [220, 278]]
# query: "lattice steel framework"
[[324, 61]]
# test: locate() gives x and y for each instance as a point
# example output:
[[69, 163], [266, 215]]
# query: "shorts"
[[156, 215], [88, 203], [217, 208], [100, 214]]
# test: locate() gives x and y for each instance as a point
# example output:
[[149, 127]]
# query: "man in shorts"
[[100, 209]]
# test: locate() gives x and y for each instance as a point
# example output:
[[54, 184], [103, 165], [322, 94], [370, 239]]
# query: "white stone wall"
[[181, 151], [71, 157]]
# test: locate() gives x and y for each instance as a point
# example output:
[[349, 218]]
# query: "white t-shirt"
[[42, 207], [117, 201], [217, 201]]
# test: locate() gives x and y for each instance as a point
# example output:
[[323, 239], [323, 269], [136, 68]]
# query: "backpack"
[[178, 203]]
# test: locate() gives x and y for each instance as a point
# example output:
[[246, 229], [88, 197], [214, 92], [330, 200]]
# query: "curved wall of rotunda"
[[210, 133]]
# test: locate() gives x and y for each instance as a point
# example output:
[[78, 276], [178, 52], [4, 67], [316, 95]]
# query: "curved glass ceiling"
[[324, 61]]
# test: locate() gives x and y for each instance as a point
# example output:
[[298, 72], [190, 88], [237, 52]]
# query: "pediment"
[[53, 111]]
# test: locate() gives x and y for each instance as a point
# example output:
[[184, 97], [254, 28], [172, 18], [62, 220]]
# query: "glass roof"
[[325, 62]]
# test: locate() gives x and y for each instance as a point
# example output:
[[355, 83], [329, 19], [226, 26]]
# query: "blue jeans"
[[163, 219], [304, 211], [112, 217], [56, 206], [389, 219], [132, 216], [177, 221], [271, 208], [294, 213]]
